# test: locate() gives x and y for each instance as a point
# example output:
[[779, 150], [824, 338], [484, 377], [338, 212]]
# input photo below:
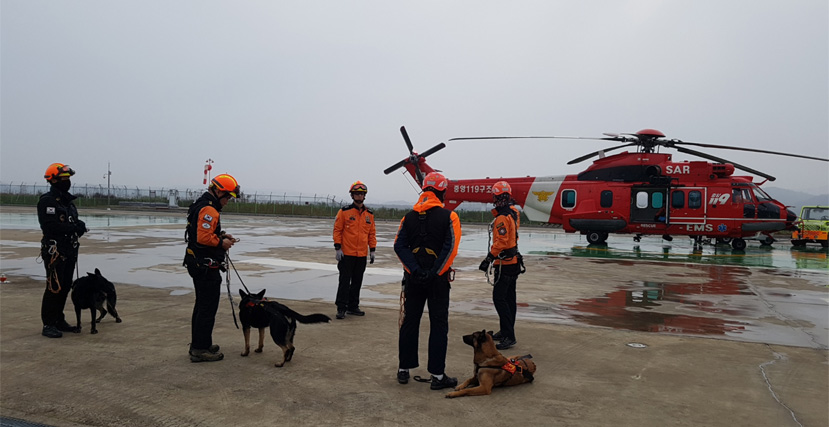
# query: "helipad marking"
[[320, 266]]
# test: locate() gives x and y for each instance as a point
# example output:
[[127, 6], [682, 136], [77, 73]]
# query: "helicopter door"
[[648, 205]]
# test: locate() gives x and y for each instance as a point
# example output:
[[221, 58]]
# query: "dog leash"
[[229, 294]]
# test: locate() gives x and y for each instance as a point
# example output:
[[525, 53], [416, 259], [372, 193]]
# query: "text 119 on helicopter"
[[641, 192]]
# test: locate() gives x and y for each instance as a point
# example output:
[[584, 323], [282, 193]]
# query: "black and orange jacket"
[[504, 237], [204, 230], [428, 236], [354, 231]]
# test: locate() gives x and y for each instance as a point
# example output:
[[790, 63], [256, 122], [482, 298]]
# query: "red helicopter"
[[641, 192]]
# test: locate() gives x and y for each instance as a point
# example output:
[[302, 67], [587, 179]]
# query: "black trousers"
[[208, 282], [351, 280], [503, 297], [51, 308], [436, 295]]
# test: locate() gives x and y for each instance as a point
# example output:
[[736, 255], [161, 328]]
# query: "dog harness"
[[512, 366]]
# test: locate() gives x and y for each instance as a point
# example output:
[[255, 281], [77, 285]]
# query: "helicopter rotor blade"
[[754, 150], [406, 138], [434, 149], [720, 160], [395, 167], [596, 153], [472, 138]]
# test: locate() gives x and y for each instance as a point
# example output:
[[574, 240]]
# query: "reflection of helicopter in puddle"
[[808, 257], [632, 307]]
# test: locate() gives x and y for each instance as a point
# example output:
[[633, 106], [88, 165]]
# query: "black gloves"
[[422, 276], [80, 228], [485, 263]]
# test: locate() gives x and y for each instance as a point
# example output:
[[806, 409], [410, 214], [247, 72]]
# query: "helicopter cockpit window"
[[606, 200], [568, 198], [694, 199], [678, 199], [740, 195], [761, 195]]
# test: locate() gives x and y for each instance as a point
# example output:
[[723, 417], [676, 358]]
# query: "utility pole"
[[107, 176]]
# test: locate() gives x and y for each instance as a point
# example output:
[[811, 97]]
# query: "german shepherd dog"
[[259, 312], [492, 369], [92, 292]]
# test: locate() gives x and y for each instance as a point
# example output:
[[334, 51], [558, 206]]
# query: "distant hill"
[[797, 199]]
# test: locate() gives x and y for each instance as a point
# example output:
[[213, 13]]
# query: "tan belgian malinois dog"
[[492, 369]]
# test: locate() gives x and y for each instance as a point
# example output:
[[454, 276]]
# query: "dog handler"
[[506, 261], [207, 246], [61, 227], [427, 243], [354, 238]]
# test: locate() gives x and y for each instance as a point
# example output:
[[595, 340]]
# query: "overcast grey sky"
[[308, 96]]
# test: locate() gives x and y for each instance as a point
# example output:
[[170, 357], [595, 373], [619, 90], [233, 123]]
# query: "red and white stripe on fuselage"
[[535, 195]]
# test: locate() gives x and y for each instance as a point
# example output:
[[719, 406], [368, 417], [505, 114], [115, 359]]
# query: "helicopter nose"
[[791, 217]]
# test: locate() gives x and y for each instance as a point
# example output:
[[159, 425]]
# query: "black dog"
[[92, 292], [257, 311]]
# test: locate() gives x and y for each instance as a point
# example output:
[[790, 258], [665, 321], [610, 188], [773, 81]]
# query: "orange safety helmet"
[[435, 181], [57, 170], [358, 187], [225, 182], [501, 187]]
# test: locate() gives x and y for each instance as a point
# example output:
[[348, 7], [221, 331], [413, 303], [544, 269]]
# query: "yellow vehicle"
[[812, 227]]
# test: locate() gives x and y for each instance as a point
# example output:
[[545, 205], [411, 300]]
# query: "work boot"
[[51, 332], [506, 343], [403, 377], [356, 312], [212, 349], [497, 336], [66, 327], [340, 313], [446, 382], [203, 355]]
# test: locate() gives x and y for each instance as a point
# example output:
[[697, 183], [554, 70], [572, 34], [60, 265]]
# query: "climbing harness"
[[512, 366]]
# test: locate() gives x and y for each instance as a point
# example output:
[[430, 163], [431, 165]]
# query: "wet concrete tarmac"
[[763, 294]]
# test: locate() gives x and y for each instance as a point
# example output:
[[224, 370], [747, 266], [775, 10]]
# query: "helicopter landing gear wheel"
[[767, 241], [723, 240], [738, 244], [596, 237]]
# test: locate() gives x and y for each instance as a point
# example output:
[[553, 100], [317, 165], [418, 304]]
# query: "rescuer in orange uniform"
[[354, 238], [506, 262], [207, 246], [427, 243]]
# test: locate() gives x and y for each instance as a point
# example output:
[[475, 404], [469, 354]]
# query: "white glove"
[[371, 257], [339, 254]]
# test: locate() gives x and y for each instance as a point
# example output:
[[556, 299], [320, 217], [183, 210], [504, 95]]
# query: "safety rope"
[[52, 279], [402, 308]]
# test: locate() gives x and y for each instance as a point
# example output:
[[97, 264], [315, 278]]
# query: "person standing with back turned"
[[207, 246], [61, 227], [354, 238], [427, 243]]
